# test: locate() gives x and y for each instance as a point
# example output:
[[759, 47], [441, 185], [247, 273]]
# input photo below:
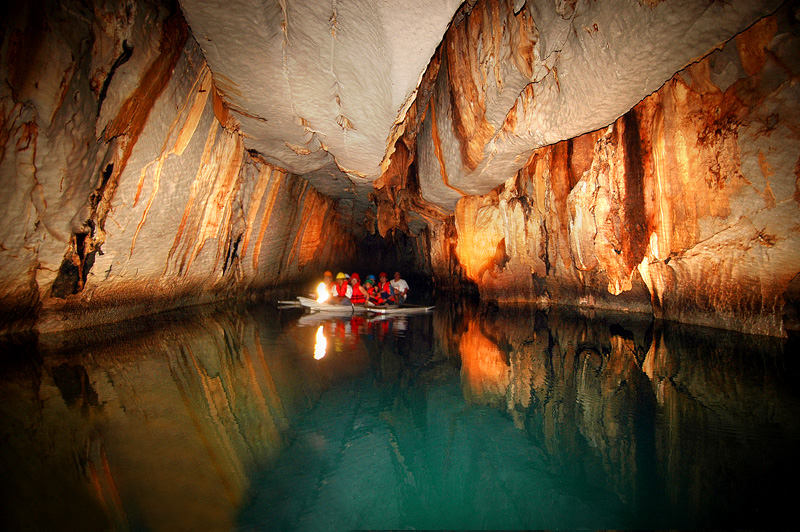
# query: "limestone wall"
[[686, 206], [127, 186]]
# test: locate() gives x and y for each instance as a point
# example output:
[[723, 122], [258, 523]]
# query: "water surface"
[[466, 418]]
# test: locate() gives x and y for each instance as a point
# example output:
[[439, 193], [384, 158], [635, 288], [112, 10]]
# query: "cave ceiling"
[[321, 89]]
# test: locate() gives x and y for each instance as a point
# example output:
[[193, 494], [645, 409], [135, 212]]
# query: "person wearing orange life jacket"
[[385, 288], [360, 294], [341, 291]]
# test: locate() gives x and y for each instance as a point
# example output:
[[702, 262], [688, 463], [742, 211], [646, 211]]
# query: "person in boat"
[[373, 294], [400, 287], [376, 296], [360, 294], [385, 288], [324, 288], [341, 291]]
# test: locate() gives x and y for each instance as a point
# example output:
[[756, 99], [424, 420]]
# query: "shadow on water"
[[224, 418]]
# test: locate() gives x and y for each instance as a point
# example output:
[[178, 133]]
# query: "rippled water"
[[466, 418]]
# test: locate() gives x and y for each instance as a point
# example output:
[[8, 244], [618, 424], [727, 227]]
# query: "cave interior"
[[630, 155]]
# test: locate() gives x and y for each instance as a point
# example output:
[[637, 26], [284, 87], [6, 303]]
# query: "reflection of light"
[[322, 343], [322, 294]]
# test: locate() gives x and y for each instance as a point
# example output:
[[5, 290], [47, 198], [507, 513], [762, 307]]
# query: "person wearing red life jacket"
[[385, 288], [341, 291], [360, 294], [374, 294]]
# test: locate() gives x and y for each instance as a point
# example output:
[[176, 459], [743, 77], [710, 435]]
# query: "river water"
[[231, 418]]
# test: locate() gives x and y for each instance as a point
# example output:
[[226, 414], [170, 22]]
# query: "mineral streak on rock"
[[547, 74]]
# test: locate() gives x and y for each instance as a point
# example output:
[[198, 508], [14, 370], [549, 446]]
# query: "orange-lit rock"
[[520, 76], [536, 157]]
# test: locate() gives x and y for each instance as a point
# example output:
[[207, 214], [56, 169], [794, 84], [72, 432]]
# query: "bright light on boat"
[[322, 344], [322, 293]]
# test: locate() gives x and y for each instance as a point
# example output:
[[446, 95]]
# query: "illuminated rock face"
[[686, 205], [128, 188]]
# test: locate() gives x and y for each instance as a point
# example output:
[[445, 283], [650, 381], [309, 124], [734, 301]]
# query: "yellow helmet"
[[340, 275]]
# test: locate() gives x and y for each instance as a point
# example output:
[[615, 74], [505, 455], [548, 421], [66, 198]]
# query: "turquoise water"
[[465, 418]]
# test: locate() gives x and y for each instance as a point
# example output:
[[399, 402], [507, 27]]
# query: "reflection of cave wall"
[[627, 396], [157, 429], [127, 185], [687, 205], [566, 371]]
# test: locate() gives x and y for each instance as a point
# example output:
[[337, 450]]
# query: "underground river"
[[232, 418]]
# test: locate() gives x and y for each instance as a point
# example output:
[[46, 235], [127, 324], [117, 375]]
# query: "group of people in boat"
[[348, 289]]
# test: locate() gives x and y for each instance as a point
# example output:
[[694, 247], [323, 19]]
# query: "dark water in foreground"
[[461, 419]]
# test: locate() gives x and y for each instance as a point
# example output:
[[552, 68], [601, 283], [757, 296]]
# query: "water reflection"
[[321, 345], [229, 418]]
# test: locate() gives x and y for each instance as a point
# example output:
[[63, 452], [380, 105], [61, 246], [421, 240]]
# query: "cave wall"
[[127, 186], [686, 206]]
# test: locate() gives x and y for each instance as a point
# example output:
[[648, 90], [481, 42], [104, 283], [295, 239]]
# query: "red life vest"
[[375, 296], [341, 289], [357, 297], [387, 292]]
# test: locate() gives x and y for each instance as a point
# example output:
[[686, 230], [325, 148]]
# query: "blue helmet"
[[371, 278]]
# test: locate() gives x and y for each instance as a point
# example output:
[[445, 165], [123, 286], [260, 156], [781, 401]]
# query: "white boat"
[[403, 309], [313, 304]]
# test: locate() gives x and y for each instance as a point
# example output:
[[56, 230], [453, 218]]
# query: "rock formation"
[[629, 154], [129, 188], [687, 204]]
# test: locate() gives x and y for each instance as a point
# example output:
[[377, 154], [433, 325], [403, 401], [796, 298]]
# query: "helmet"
[[383, 275], [355, 276], [371, 278], [327, 274], [347, 276], [340, 275]]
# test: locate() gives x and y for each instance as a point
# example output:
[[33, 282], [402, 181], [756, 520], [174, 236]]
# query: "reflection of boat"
[[404, 309], [315, 319]]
